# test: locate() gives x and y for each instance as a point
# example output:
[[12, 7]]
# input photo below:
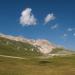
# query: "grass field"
[[36, 66]]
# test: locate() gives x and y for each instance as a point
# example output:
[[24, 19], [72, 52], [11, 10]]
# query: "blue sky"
[[53, 20]]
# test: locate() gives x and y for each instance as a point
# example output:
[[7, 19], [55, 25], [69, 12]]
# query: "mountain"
[[20, 46], [43, 45]]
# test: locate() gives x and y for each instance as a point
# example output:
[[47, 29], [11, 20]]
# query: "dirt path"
[[12, 57]]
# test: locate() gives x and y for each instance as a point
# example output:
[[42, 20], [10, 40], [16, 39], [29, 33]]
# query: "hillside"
[[43, 45], [23, 47], [16, 48]]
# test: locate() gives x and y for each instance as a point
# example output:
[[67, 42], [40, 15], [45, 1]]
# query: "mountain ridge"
[[38, 47], [44, 45]]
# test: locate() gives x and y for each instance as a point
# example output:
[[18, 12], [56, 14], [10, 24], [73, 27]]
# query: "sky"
[[53, 20]]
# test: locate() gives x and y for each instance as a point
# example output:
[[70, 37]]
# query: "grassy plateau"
[[37, 66]]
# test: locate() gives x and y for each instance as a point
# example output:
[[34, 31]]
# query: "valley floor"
[[35, 66]]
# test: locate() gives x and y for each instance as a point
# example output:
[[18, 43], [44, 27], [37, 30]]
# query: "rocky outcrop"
[[44, 46]]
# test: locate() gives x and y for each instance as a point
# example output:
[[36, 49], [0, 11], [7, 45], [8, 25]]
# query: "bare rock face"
[[44, 46]]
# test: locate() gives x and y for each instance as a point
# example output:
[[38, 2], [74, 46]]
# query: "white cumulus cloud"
[[70, 29], [74, 34], [54, 26], [65, 35], [49, 18], [27, 18]]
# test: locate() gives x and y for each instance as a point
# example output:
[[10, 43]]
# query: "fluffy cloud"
[[27, 18], [54, 26], [74, 34], [65, 35], [69, 29], [49, 18]]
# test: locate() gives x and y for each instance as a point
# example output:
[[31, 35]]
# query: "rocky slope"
[[44, 46], [18, 45]]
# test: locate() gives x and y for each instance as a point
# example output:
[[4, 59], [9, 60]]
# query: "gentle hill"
[[61, 51]]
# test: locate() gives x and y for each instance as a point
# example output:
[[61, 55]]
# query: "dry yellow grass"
[[51, 66]]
